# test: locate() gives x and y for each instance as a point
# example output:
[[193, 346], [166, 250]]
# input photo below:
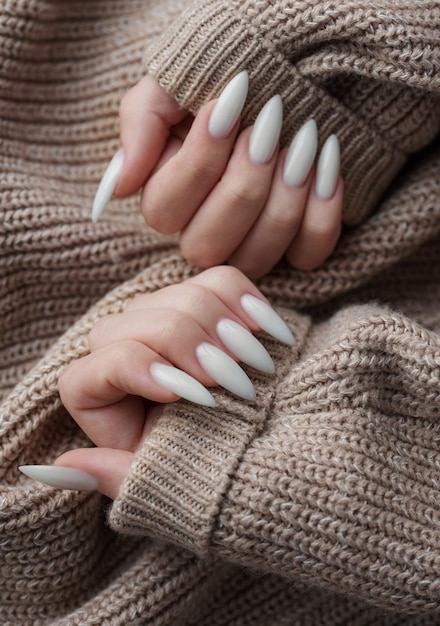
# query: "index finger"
[[147, 113]]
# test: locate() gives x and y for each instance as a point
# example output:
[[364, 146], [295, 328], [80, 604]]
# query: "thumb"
[[106, 465], [146, 114]]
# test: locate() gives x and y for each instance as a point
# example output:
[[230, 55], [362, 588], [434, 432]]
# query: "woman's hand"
[[173, 343], [233, 196]]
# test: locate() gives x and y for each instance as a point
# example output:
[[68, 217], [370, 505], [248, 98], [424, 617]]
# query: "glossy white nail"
[[245, 346], [267, 319], [181, 383], [301, 155], [266, 131], [61, 477], [107, 184], [229, 106], [225, 371], [327, 171]]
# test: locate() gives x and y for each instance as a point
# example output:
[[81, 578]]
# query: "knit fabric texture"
[[316, 505]]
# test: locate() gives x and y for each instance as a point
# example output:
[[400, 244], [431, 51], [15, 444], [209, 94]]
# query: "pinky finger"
[[321, 223]]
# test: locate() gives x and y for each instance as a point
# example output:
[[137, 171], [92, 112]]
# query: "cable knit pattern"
[[319, 503]]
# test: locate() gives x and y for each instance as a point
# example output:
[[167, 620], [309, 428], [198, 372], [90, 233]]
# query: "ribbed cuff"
[[209, 45], [183, 470]]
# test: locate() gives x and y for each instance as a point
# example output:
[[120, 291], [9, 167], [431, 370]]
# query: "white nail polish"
[[327, 171], [229, 106], [268, 319], [61, 477], [301, 155], [266, 131], [225, 371], [181, 383], [245, 346], [107, 184]]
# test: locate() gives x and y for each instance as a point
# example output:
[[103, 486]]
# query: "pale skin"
[[110, 392], [225, 207]]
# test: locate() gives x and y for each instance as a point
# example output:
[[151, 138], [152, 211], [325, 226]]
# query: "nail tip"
[[229, 106], [61, 477], [107, 185]]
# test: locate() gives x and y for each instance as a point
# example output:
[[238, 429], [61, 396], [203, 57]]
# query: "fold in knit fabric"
[[318, 504]]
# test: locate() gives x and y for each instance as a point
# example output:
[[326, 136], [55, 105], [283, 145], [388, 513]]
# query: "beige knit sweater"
[[320, 503]]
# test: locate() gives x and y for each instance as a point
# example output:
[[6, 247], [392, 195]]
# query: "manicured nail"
[[229, 106], [107, 184], [245, 346], [61, 477], [181, 383], [301, 155], [266, 131], [268, 319], [225, 371], [327, 171]]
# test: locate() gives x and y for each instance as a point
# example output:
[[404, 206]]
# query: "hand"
[[173, 343], [232, 196]]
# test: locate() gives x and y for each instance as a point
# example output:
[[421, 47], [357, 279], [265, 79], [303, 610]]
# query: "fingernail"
[[327, 171], [266, 131], [225, 371], [61, 477], [229, 106], [181, 383], [301, 155], [267, 318], [107, 184], [245, 346]]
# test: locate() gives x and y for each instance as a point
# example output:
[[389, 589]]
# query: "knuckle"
[[200, 257], [65, 390], [99, 331], [322, 231], [245, 195]]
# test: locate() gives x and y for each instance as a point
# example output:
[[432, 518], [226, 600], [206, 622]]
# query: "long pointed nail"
[[107, 184], [266, 131], [327, 171], [301, 154], [267, 318], [229, 106], [225, 371], [61, 477], [181, 383], [245, 346]]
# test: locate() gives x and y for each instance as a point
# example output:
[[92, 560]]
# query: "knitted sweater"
[[317, 504]]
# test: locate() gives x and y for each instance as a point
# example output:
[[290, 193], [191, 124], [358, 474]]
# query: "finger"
[[104, 391], [146, 114], [176, 190], [275, 227], [319, 231], [108, 466], [227, 283], [172, 333], [231, 209], [236, 292], [199, 164]]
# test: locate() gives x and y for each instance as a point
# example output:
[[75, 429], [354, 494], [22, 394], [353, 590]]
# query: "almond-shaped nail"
[[61, 477], [245, 346], [301, 155], [229, 106], [225, 371], [266, 131], [327, 170], [107, 184], [267, 319], [181, 383]]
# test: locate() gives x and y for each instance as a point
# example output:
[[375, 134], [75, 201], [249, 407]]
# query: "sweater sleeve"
[[365, 71], [331, 478]]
